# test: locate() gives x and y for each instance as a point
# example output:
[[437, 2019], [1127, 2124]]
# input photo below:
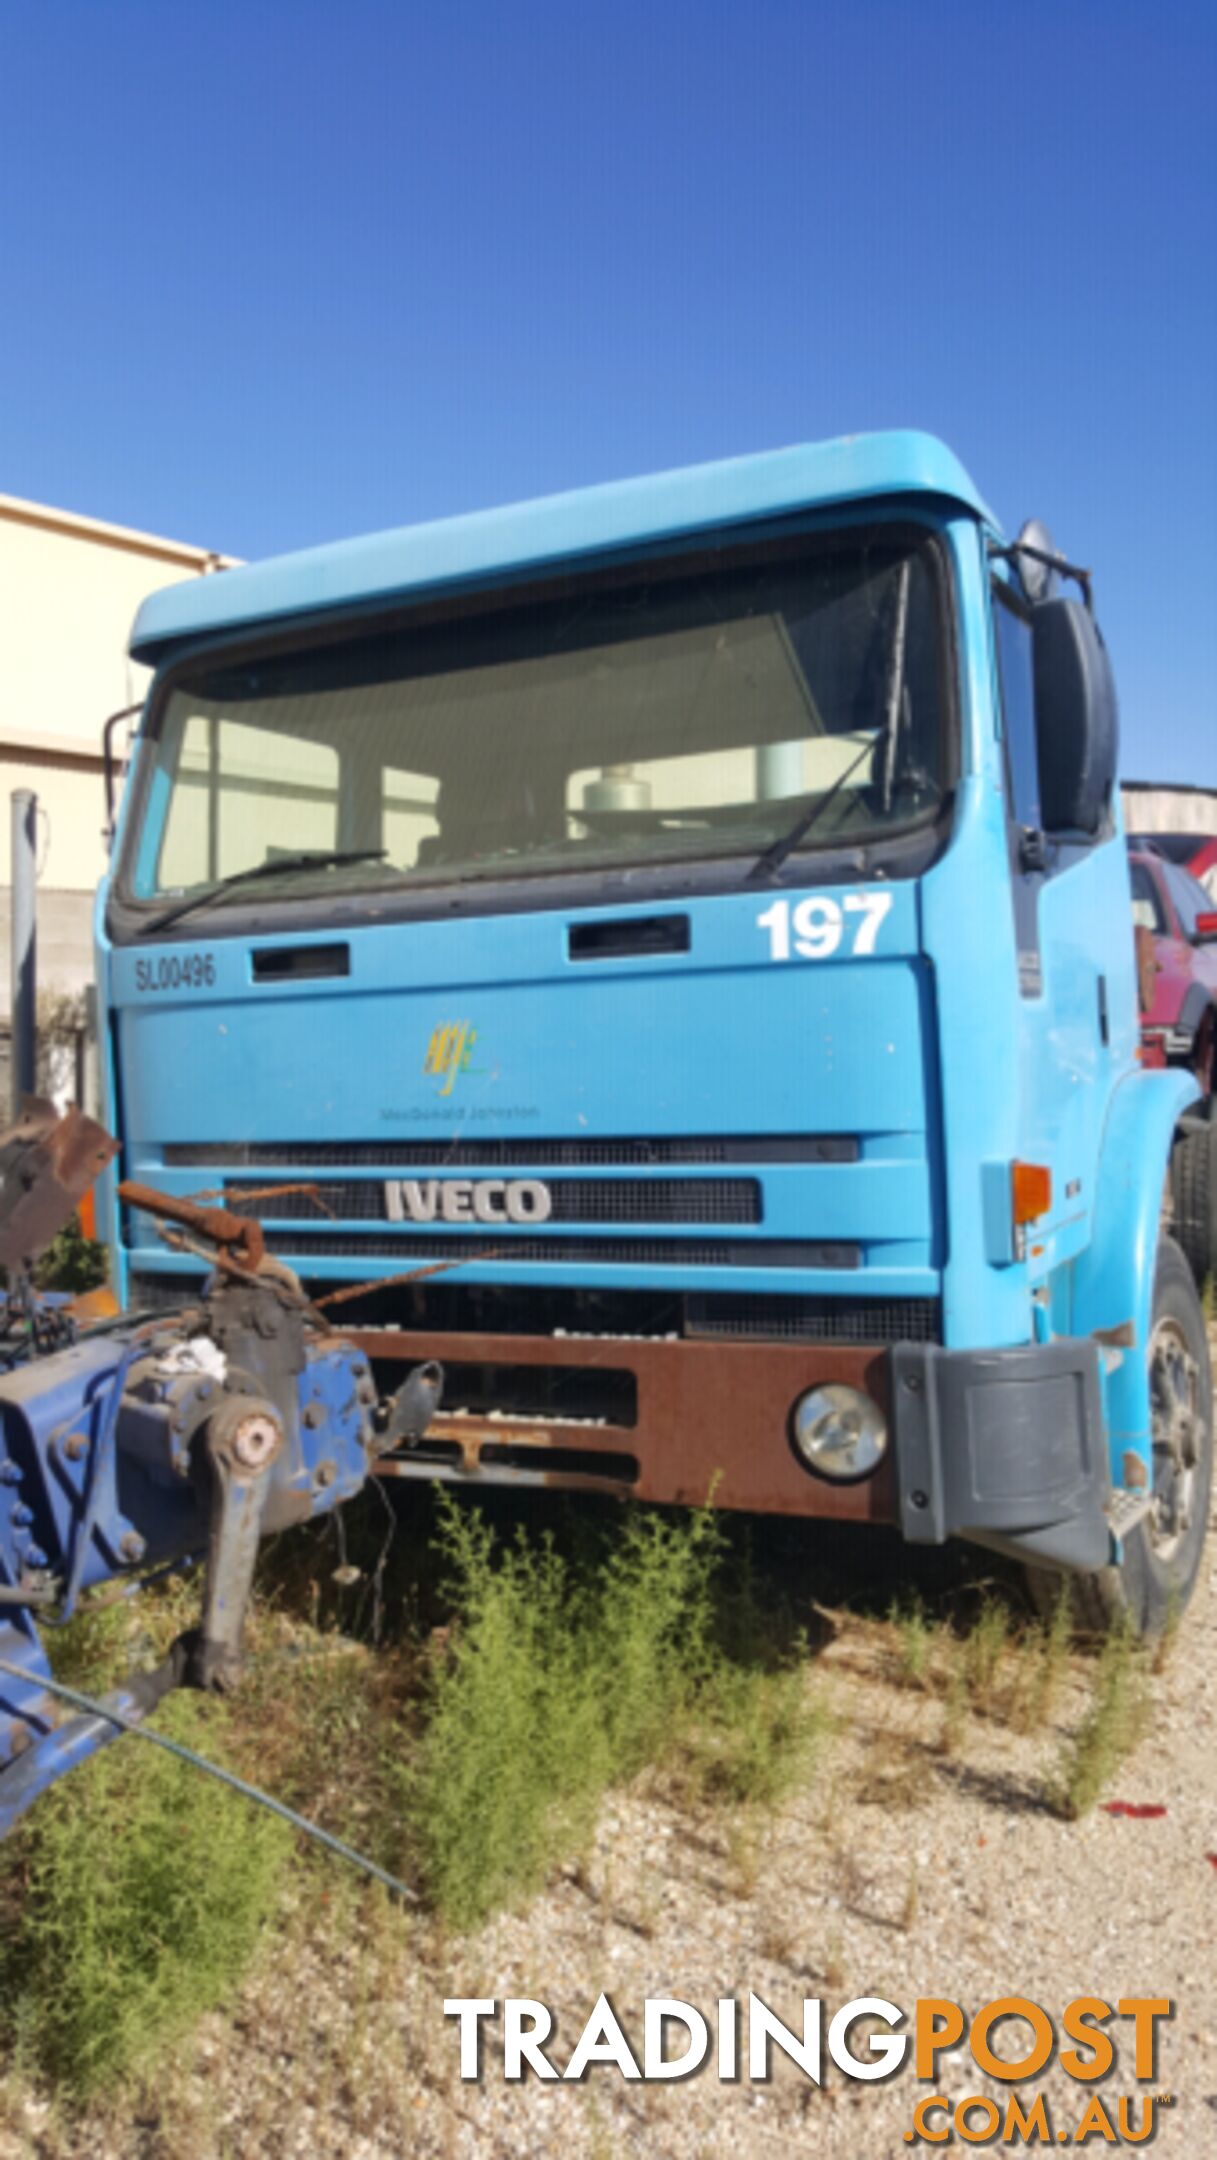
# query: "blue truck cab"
[[662, 952]]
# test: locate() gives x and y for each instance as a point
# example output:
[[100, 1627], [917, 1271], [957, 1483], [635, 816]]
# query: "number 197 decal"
[[815, 928]]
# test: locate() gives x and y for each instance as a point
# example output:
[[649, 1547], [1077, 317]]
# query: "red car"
[[1195, 852], [1176, 932]]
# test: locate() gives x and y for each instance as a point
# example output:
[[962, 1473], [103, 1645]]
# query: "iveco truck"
[[661, 953]]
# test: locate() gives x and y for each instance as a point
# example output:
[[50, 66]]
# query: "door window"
[[1016, 676]]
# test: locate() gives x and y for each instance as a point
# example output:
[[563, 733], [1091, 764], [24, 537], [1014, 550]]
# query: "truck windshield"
[[677, 716]]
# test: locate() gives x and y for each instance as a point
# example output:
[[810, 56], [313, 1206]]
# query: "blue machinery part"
[[203, 1430]]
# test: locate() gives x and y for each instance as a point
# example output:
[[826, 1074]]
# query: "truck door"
[[1076, 965]]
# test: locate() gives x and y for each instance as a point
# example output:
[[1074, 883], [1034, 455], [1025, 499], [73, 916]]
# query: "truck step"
[[1126, 1509]]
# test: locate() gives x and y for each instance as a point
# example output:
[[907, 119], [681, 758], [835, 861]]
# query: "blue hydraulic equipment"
[[133, 1445]]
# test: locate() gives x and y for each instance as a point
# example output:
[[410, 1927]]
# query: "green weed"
[[1041, 1668], [1164, 1643], [984, 1652], [1114, 1722], [551, 1686], [145, 1889], [756, 1738], [914, 1642]]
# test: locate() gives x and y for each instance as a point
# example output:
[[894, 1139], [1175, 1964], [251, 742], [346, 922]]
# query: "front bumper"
[[1002, 1447]]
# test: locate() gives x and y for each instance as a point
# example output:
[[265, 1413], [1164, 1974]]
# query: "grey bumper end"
[[1006, 1448]]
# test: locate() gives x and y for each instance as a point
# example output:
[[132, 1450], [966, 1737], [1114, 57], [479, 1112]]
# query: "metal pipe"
[[24, 947]]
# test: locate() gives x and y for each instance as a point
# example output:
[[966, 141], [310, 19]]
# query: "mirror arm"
[[1010, 554], [128, 712]]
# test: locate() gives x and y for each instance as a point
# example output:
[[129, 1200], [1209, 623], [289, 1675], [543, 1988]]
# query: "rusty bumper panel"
[[706, 1411]]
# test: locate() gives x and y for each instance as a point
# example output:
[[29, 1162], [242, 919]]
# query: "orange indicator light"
[[1031, 1191]]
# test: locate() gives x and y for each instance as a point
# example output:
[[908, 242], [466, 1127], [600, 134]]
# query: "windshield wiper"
[[775, 855], [893, 704], [274, 866]]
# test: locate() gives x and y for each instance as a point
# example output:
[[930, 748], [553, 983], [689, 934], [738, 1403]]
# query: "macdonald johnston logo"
[[462, 1200], [449, 1053]]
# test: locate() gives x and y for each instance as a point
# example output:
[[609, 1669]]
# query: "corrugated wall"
[[1164, 809]]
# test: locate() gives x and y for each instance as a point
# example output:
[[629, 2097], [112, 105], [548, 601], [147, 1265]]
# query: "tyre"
[[1194, 1196], [1161, 1557]]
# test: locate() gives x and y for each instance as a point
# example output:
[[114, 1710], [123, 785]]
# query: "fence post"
[[24, 946]]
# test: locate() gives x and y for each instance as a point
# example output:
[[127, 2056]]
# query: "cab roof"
[[414, 561]]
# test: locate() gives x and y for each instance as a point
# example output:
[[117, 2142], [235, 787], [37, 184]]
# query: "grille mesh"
[[613, 1252], [448, 1305], [490, 1154], [829, 1319], [640, 1200]]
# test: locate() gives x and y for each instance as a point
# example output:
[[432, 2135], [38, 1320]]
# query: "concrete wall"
[[69, 591]]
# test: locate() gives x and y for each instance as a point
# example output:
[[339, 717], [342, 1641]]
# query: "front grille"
[[150, 1293], [489, 1154], [814, 1319], [644, 1200], [446, 1305], [611, 1252]]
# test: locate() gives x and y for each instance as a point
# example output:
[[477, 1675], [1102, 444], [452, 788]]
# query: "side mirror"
[[1076, 720], [1035, 558], [1206, 927]]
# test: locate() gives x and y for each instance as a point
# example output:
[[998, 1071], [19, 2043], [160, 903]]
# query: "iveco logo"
[[484, 1200]]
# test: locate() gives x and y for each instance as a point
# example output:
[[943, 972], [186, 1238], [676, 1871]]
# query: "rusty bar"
[[234, 1233], [447, 1473]]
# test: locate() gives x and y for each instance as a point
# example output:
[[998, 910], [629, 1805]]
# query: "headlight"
[[838, 1431]]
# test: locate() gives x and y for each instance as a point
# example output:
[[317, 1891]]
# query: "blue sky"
[[273, 273]]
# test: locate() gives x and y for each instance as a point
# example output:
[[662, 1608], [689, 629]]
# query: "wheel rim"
[[1177, 1425]]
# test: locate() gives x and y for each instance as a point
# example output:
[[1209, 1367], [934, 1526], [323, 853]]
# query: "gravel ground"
[[900, 1871]]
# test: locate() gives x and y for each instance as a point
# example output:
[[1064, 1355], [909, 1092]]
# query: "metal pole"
[[24, 946]]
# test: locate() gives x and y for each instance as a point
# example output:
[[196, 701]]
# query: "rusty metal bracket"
[[238, 1241]]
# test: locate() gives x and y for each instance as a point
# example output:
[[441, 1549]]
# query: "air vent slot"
[[299, 963], [634, 937]]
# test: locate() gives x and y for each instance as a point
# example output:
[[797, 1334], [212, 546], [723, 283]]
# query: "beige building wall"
[[70, 588], [1150, 809]]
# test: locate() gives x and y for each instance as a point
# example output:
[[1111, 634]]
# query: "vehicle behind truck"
[[662, 954]]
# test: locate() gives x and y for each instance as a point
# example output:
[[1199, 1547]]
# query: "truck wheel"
[[1161, 1557], [1194, 1196]]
